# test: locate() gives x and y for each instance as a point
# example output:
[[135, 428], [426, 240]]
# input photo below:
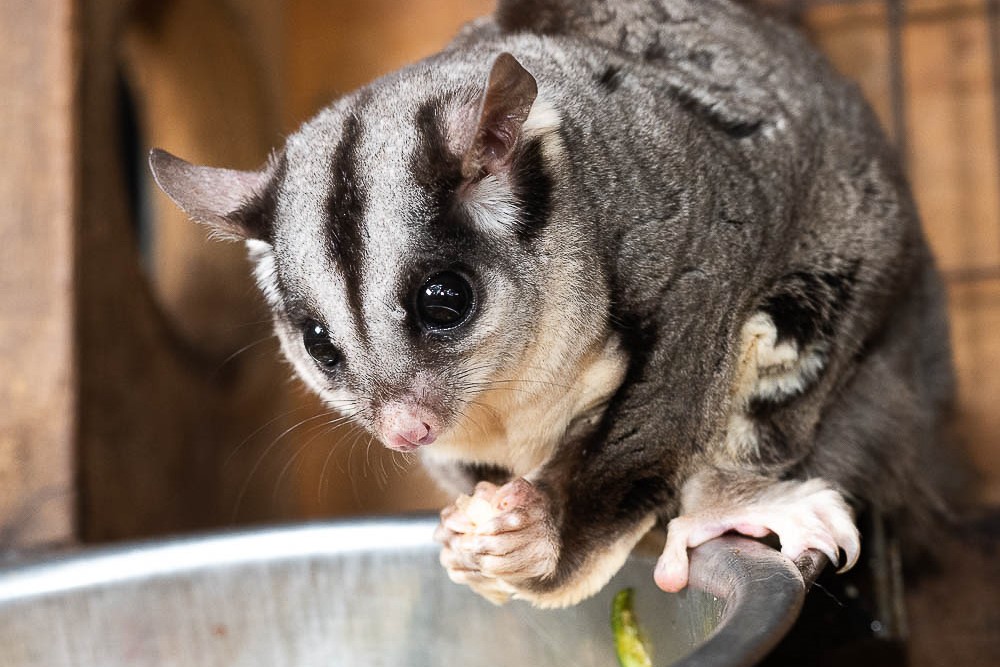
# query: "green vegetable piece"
[[631, 642]]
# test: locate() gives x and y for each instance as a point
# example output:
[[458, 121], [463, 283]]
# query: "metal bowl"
[[367, 593]]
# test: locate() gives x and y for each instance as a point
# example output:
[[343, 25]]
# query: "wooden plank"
[[37, 188], [975, 321], [953, 145], [200, 97], [335, 47], [160, 413], [934, 10], [953, 168]]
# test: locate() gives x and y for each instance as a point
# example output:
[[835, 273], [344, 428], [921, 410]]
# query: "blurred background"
[[141, 392]]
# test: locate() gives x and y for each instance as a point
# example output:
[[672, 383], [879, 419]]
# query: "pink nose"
[[406, 427]]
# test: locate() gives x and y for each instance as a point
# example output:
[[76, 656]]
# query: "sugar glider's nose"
[[405, 426]]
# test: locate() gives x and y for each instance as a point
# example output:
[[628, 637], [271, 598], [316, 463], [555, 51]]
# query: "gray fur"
[[707, 167]]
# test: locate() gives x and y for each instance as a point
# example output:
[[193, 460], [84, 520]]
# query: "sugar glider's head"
[[400, 238]]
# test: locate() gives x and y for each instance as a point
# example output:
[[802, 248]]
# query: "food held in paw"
[[478, 510]]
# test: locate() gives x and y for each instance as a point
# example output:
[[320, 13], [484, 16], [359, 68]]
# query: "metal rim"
[[763, 591], [103, 565]]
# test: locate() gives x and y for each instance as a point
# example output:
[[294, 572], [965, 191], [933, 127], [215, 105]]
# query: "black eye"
[[316, 339], [444, 300]]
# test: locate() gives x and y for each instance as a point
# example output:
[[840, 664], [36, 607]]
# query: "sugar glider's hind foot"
[[804, 515]]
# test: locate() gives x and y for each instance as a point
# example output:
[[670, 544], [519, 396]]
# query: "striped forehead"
[[349, 214]]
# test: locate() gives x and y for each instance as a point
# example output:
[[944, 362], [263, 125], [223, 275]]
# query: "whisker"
[[256, 432], [401, 461], [322, 475], [277, 484], [260, 459], [252, 323], [319, 431], [490, 387], [468, 417], [401, 467], [488, 408], [240, 351], [350, 470], [323, 478], [385, 474]]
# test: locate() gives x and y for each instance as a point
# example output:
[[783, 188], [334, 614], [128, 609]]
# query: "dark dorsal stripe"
[[533, 189], [346, 208], [437, 171]]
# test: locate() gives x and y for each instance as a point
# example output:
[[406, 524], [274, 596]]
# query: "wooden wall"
[[152, 377], [38, 190], [954, 167]]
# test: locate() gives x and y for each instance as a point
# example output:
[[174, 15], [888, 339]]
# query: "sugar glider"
[[608, 265]]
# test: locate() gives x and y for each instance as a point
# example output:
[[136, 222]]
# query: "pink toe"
[[672, 577], [751, 530]]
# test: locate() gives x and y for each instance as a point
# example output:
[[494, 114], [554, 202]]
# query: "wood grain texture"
[[161, 410], [37, 188], [953, 151], [202, 96], [975, 321], [335, 47], [953, 165]]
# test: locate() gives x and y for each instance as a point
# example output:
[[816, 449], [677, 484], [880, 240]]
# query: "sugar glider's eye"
[[444, 301], [316, 339]]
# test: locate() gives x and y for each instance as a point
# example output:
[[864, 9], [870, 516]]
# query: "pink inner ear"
[[497, 145], [506, 103]]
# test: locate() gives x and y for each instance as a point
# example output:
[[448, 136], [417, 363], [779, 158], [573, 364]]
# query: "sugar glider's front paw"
[[804, 515], [498, 540]]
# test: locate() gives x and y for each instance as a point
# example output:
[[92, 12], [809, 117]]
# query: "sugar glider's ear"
[[506, 102], [236, 205]]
